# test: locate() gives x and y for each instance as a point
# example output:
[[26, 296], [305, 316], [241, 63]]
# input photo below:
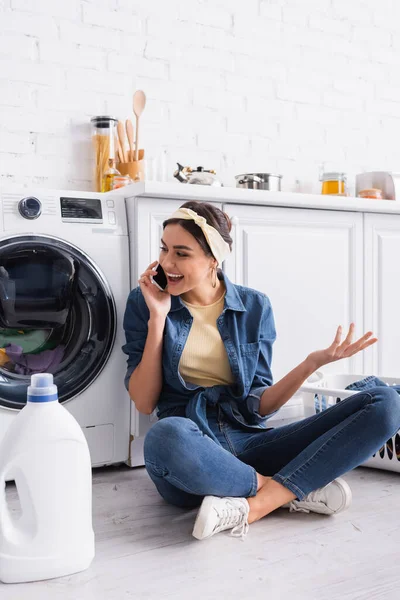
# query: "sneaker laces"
[[234, 515], [311, 497], [240, 531]]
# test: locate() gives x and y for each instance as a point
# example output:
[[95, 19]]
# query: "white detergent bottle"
[[45, 452]]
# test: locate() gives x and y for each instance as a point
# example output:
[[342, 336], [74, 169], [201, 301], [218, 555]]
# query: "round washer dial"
[[30, 207]]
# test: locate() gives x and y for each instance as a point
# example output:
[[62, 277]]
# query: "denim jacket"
[[247, 329]]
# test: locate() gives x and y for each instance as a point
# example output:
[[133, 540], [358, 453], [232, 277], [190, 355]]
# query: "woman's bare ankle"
[[270, 496], [261, 481]]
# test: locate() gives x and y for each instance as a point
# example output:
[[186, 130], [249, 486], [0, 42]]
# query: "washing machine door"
[[57, 315]]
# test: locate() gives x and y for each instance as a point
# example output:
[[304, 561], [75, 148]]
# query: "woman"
[[200, 352]]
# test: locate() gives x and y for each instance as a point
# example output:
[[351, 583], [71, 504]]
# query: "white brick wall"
[[270, 85]]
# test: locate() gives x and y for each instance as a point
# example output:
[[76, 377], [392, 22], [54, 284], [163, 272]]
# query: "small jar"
[[121, 181], [104, 145], [334, 184], [374, 193]]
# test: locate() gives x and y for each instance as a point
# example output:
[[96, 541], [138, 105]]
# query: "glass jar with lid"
[[104, 145], [334, 183]]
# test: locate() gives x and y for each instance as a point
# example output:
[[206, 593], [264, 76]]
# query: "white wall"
[[238, 85]]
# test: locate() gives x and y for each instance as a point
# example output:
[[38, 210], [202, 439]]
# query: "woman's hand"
[[339, 349], [158, 302]]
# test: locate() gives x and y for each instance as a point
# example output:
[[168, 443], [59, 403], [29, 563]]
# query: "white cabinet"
[[382, 292], [145, 219], [310, 265], [320, 268]]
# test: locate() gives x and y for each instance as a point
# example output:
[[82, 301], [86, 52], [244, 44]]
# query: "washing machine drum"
[[57, 315]]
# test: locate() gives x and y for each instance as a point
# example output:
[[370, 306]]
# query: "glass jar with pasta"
[[104, 146]]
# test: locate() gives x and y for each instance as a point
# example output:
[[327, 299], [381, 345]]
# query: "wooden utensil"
[[139, 102], [120, 151], [121, 137], [129, 133]]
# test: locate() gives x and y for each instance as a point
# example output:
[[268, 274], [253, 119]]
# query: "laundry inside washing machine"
[[57, 315]]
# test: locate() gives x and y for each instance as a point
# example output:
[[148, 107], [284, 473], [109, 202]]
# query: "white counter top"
[[182, 191]]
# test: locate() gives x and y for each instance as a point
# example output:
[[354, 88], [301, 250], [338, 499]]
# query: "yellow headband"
[[219, 247]]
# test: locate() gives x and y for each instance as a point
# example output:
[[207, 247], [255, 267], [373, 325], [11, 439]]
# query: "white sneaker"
[[217, 514], [329, 500]]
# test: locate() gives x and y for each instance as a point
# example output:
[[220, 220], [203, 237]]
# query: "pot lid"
[[260, 175]]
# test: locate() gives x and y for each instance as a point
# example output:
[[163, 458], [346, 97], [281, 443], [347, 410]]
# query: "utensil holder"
[[135, 169]]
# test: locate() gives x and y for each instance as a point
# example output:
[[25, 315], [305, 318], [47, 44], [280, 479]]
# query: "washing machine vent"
[[10, 204]]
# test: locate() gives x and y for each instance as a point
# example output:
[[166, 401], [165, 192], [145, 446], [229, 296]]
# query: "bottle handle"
[[6, 525]]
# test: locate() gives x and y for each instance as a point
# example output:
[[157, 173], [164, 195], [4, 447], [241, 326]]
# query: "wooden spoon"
[[121, 136], [139, 102], [129, 133]]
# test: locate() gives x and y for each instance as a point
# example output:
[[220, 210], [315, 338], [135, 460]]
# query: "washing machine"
[[64, 281]]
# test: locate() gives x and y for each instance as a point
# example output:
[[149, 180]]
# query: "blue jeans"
[[187, 465]]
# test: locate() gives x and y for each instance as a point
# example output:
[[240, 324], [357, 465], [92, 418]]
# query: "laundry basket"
[[322, 391]]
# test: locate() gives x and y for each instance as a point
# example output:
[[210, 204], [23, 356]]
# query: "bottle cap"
[[42, 388]]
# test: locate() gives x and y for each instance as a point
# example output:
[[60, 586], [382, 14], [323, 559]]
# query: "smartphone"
[[159, 278]]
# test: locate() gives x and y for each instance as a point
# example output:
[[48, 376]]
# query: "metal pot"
[[259, 181]]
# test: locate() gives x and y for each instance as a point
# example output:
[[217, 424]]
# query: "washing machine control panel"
[[30, 207], [48, 211], [76, 210]]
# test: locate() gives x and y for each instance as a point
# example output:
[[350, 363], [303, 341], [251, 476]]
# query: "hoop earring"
[[214, 278]]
